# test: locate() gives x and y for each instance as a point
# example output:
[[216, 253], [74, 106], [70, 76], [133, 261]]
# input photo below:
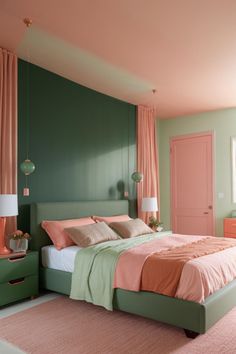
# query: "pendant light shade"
[[137, 177], [27, 167]]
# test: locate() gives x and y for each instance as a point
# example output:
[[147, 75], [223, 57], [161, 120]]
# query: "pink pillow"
[[56, 232], [109, 219]]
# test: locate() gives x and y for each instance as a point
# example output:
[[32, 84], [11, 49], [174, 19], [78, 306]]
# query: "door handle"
[[205, 212], [210, 207]]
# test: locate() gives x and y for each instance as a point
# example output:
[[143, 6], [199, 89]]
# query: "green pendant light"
[[137, 177], [27, 167]]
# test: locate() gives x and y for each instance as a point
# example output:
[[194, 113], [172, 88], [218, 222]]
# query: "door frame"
[[187, 136]]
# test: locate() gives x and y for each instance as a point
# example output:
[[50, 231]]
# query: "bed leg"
[[33, 297], [190, 334]]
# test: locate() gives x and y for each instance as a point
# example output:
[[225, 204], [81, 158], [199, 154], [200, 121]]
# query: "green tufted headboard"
[[68, 210]]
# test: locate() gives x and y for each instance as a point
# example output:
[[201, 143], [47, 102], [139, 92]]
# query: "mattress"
[[59, 260]]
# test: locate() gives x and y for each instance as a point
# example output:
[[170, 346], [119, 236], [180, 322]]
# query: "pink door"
[[192, 184]]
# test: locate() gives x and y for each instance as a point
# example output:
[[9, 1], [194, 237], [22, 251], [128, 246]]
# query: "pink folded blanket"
[[199, 278], [162, 270]]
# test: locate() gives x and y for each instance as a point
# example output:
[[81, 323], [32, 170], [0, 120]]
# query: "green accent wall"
[[82, 142], [223, 124]]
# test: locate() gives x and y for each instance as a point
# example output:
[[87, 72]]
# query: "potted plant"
[[19, 241], [155, 224]]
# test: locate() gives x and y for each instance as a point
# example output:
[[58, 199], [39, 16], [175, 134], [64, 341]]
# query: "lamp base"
[[4, 250]]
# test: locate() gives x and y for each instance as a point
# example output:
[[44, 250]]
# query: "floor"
[[219, 339], [7, 348]]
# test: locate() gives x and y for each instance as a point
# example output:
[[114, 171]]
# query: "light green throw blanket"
[[92, 279]]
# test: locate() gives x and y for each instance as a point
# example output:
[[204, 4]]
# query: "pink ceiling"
[[185, 49]]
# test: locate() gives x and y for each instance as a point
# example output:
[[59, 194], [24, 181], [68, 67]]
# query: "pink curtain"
[[147, 158], [8, 128]]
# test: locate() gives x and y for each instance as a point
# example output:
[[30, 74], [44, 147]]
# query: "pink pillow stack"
[[56, 232], [109, 219]]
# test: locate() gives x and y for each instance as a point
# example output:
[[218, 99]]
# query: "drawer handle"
[[16, 281], [16, 258]]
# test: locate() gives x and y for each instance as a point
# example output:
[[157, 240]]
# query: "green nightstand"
[[18, 276]]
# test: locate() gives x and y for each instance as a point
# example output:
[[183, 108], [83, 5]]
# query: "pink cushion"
[[109, 219], [55, 230]]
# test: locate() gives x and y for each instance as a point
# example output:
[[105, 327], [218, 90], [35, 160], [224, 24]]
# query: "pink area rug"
[[74, 327]]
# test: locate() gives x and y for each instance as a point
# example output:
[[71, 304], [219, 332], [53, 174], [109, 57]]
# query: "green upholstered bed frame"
[[185, 314]]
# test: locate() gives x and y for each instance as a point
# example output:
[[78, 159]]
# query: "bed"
[[194, 317]]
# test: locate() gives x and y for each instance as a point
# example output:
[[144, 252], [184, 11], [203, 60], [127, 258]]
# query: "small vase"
[[20, 245]]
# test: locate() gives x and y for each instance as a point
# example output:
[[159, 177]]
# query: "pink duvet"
[[200, 277]]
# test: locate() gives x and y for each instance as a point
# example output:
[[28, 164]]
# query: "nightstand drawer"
[[18, 289], [230, 225], [15, 267]]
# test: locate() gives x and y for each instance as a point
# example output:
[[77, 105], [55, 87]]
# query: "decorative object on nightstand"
[[155, 224], [230, 227], [18, 276], [8, 207], [19, 241]]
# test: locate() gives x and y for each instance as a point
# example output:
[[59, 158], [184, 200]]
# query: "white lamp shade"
[[149, 204], [8, 205]]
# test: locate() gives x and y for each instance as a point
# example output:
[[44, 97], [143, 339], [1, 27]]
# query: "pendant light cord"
[[27, 104], [28, 23]]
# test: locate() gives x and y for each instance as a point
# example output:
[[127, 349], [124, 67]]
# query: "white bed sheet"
[[59, 260]]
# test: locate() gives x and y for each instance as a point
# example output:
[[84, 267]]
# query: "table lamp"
[[8, 207], [149, 204]]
